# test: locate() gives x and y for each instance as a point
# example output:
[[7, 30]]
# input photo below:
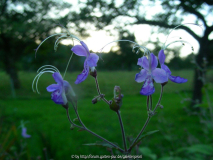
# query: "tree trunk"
[[198, 84], [12, 71], [14, 77]]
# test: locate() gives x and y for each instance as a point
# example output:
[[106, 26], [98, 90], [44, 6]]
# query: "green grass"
[[49, 120], [107, 81]]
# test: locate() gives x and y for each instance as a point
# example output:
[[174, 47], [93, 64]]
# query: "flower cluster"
[[62, 91], [151, 73]]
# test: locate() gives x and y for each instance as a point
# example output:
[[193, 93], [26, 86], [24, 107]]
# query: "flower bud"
[[94, 100], [161, 106], [116, 102]]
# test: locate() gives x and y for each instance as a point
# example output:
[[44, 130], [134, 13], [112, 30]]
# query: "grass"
[[49, 126]]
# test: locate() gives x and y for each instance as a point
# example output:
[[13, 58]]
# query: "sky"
[[143, 33]]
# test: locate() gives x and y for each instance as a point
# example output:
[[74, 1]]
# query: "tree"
[[22, 24], [173, 14]]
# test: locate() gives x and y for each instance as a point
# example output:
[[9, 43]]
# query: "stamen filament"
[[178, 41], [179, 26], [135, 46], [68, 65], [46, 39]]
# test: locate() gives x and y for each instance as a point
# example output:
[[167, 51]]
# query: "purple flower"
[[62, 91], [90, 62], [176, 79], [24, 133], [149, 73]]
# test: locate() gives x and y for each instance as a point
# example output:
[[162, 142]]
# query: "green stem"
[[93, 133], [159, 100], [99, 92], [122, 130], [144, 127]]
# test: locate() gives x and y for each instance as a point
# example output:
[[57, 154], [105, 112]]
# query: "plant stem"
[[144, 127], [86, 129], [150, 99], [122, 130], [71, 122], [99, 92], [159, 100], [147, 103], [148, 118]]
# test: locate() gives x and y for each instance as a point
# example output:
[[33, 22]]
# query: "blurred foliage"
[[22, 24]]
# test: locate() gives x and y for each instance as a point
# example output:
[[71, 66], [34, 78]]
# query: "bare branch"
[[165, 25]]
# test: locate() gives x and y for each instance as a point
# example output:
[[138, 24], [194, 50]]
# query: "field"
[[50, 129]]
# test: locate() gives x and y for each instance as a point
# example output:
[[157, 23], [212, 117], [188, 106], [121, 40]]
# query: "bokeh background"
[[185, 123]]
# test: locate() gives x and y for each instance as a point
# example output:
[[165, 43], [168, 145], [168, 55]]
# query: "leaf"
[[143, 136], [148, 153], [101, 144]]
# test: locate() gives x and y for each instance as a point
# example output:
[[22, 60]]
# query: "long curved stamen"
[[56, 69], [45, 40], [135, 46], [178, 27], [182, 41], [68, 65], [63, 35], [58, 40], [41, 71]]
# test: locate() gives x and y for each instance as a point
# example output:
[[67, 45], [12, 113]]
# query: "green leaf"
[[143, 136], [101, 144], [148, 153]]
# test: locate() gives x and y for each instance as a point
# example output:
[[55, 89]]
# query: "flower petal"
[[79, 50], [58, 97], [159, 75], [161, 57], [148, 87], [53, 87], [154, 61], [81, 77], [24, 133], [58, 78], [68, 89], [85, 46], [92, 60], [141, 76], [177, 79], [166, 68], [140, 61], [145, 63]]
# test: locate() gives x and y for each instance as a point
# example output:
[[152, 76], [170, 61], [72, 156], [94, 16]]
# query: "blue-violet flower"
[[176, 79], [149, 73], [24, 133], [90, 62], [62, 91]]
